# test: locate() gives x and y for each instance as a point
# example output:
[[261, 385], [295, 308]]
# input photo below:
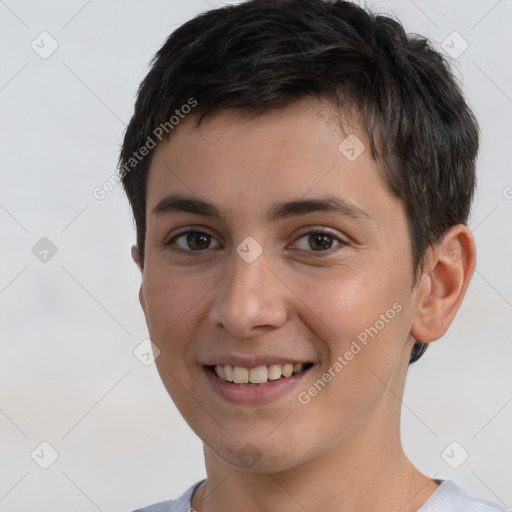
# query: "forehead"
[[300, 124], [245, 160]]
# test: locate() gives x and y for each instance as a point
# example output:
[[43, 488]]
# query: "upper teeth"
[[258, 375]]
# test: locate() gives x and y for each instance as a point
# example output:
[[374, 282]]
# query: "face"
[[268, 245]]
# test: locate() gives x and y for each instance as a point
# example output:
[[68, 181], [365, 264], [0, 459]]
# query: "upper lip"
[[252, 362]]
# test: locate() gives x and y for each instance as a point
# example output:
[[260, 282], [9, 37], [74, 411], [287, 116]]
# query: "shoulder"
[[180, 504], [451, 498]]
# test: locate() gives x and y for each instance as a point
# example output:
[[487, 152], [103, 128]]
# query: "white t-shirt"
[[447, 498]]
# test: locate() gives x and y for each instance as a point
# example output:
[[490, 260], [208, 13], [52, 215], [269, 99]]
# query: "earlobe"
[[136, 257], [448, 272]]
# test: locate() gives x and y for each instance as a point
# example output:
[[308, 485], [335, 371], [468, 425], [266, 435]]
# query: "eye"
[[318, 240], [192, 241]]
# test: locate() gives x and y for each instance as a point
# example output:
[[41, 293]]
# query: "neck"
[[354, 476]]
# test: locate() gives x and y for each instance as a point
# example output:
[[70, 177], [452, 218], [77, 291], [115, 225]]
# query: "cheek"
[[171, 299], [172, 307], [344, 302], [364, 321]]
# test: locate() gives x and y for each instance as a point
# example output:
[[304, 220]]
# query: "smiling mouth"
[[258, 375]]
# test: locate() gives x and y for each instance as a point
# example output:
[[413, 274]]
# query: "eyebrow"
[[282, 210]]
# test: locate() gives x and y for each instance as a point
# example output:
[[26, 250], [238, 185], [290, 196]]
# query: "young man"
[[301, 174]]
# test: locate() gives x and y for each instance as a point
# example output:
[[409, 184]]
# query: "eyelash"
[[315, 254]]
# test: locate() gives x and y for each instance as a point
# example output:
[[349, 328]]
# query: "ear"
[[138, 260], [136, 257], [448, 271]]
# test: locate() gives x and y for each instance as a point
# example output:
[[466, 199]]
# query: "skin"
[[342, 450]]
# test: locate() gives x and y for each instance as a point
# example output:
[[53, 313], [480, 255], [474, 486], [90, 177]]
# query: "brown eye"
[[190, 241], [318, 241], [198, 241]]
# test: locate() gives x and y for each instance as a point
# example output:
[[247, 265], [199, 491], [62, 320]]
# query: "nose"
[[250, 298]]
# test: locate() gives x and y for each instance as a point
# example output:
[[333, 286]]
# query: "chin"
[[260, 454]]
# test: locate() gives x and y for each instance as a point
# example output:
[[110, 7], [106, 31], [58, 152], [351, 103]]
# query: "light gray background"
[[69, 326]]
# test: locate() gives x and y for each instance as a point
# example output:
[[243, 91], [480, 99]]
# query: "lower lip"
[[257, 393]]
